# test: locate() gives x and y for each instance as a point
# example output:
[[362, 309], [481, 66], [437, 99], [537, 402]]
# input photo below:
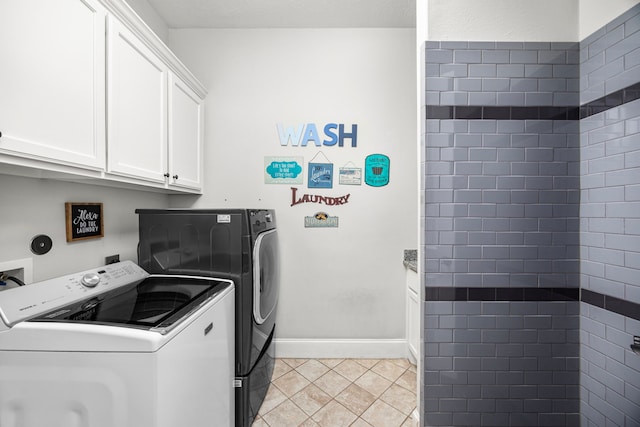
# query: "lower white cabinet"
[[413, 314]]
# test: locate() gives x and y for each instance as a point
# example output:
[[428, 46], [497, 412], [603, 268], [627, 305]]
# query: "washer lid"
[[158, 303]]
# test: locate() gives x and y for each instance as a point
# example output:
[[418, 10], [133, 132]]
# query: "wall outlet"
[[111, 259]]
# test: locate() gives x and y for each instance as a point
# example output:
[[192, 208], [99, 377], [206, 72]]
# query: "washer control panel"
[[26, 302]]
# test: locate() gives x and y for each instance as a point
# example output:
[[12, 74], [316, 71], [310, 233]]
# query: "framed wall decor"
[[321, 220], [376, 170], [283, 170], [349, 174], [84, 221], [320, 174]]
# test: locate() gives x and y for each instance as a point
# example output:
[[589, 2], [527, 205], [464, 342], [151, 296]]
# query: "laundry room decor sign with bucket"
[[376, 170]]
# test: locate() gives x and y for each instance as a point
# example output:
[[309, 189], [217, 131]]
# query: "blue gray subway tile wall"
[[532, 193], [610, 223], [506, 190]]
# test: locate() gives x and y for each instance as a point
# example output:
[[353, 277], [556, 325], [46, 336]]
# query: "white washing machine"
[[117, 347]]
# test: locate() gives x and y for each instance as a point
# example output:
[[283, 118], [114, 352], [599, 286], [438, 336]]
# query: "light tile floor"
[[340, 392]]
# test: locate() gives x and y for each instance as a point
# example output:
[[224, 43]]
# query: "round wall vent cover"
[[41, 244]]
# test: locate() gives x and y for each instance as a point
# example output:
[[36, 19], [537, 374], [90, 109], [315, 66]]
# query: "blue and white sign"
[[350, 176], [320, 175], [376, 170], [283, 170]]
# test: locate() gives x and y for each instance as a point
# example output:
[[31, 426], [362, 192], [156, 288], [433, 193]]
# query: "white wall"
[[503, 20], [517, 20], [151, 18], [341, 288], [596, 13], [36, 206]]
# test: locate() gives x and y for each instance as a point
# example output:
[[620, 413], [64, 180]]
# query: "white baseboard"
[[338, 348], [415, 417]]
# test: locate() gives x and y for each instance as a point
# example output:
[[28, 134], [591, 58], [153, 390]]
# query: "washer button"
[[90, 280]]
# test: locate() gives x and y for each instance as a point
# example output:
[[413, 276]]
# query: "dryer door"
[[266, 276]]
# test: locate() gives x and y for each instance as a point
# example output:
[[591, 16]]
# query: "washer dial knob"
[[90, 280]]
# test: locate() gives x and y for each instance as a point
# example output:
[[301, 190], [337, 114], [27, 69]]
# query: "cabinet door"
[[185, 135], [137, 100], [52, 102], [413, 324], [413, 314]]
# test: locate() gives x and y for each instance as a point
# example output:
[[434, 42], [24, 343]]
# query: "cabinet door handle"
[[166, 175], [175, 176]]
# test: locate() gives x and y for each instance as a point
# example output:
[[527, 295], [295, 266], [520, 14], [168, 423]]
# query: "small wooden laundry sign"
[[84, 221]]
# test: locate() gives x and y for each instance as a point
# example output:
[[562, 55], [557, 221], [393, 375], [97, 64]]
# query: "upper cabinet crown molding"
[[134, 23]]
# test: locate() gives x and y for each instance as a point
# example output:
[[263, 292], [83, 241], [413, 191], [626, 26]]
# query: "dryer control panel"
[[26, 302]]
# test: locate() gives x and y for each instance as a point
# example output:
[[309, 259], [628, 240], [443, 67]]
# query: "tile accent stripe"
[[617, 305], [615, 99], [447, 112], [609, 303], [500, 294], [456, 112]]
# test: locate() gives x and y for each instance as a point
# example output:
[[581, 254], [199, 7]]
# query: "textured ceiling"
[[286, 13]]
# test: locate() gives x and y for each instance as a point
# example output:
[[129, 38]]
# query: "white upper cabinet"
[[87, 90], [137, 100], [185, 135], [52, 81]]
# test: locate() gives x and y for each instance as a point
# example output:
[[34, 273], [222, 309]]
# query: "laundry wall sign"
[[283, 170], [83, 221], [297, 199], [321, 219], [376, 168], [349, 174], [320, 174]]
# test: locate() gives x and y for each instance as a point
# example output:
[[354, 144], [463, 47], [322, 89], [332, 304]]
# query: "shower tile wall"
[[502, 234], [532, 231], [610, 223]]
